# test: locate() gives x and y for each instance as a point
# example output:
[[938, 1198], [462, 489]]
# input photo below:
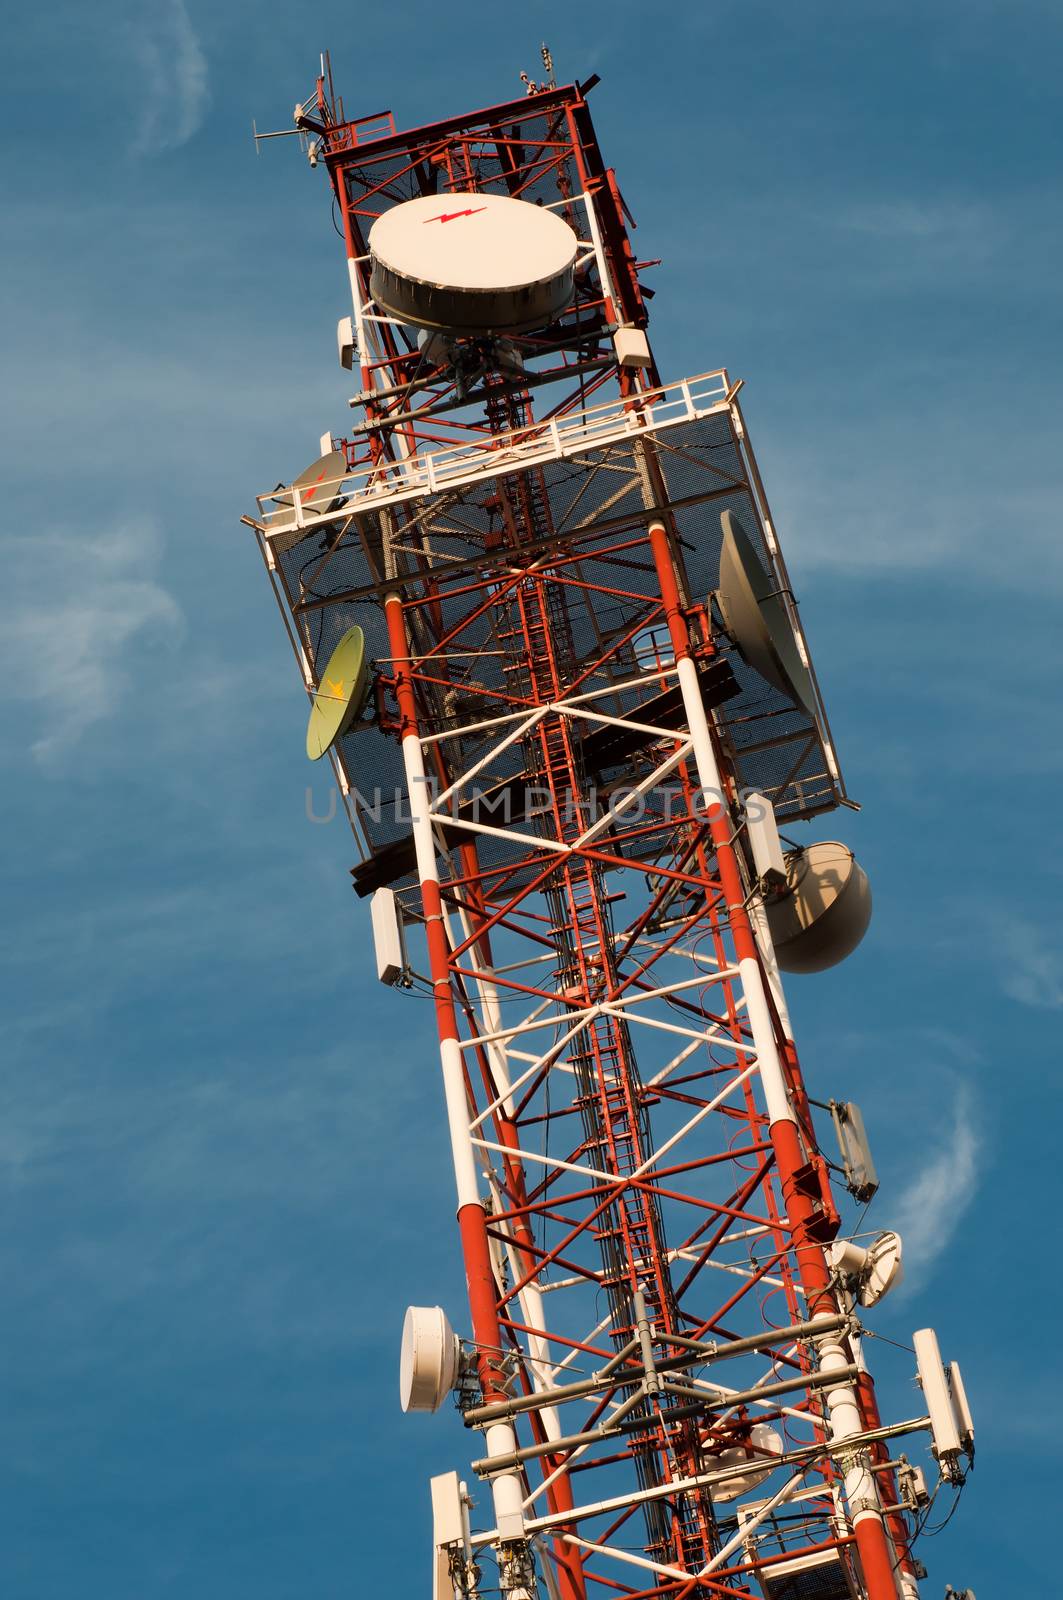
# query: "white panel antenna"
[[632, 348], [387, 937], [959, 1401], [950, 1417], [861, 1176], [448, 1510], [345, 342], [764, 839], [455, 1575]]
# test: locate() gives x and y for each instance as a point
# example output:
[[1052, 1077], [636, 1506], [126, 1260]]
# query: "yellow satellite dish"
[[340, 695]]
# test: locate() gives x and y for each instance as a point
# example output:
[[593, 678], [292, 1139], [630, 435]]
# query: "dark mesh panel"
[[532, 164], [825, 1582]]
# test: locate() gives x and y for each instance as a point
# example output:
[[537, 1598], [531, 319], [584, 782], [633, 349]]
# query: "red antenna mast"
[[552, 653]]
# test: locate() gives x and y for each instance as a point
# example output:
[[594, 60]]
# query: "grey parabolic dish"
[[756, 617]]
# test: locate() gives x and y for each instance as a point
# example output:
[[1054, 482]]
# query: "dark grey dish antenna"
[[320, 491], [755, 616]]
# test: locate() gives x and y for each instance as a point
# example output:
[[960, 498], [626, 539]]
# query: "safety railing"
[[283, 512]]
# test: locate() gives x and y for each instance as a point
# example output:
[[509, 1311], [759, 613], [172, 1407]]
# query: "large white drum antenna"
[[472, 263]]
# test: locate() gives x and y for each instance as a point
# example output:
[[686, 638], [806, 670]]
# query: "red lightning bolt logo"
[[450, 216], [310, 490]]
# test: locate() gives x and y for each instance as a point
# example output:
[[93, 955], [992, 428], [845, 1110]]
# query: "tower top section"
[[510, 410], [502, 231]]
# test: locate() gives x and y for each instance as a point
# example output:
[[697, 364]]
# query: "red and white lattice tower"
[[571, 696]]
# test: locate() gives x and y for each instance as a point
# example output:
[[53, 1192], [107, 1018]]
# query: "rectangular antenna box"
[[387, 937]]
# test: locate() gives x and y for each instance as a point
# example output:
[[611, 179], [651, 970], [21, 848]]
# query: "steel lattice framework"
[[568, 741]]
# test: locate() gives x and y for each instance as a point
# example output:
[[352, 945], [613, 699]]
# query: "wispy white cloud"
[[881, 500], [904, 469], [906, 218], [904, 243], [195, 1154], [934, 1201], [174, 74], [896, 252], [1033, 970], [79, 607], [1022, 951]]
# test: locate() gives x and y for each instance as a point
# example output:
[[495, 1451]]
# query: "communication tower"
[[551, 651]]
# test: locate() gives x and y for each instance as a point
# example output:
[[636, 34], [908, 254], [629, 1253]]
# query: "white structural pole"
[[861, 1490], [759, 918], [769, 1064], [530, 1296], [500, 1438]]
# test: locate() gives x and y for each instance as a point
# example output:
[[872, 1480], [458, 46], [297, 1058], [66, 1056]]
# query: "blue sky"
[[219, 1145]]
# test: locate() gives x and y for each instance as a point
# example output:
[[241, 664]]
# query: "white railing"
[[367, 488]]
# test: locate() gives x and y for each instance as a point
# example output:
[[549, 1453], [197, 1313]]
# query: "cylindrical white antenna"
[[935, 1386], [960, 1406]]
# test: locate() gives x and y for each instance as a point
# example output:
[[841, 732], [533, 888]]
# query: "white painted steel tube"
[[753, 1522], [760, 1022], [530, 1297], [762, 933], [861, 1490], [500, 1437]]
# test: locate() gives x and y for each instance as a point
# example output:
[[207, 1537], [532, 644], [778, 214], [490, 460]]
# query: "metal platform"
[[431, 472]]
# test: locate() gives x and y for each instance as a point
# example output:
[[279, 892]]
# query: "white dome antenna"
[[824, 911], [764, 1444]]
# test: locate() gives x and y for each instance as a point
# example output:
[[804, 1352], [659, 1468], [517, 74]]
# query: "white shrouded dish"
[[428, 1362]]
